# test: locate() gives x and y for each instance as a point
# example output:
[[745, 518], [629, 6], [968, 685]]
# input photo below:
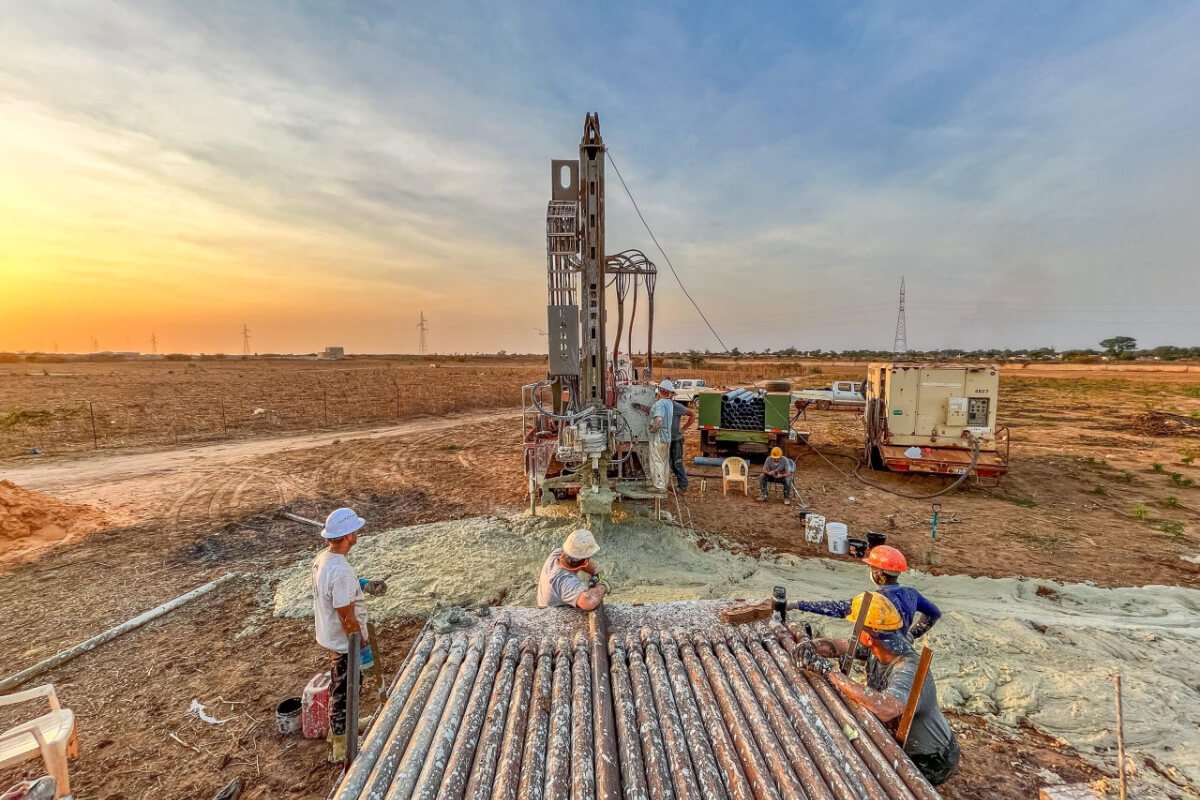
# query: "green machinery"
[[746, 422]]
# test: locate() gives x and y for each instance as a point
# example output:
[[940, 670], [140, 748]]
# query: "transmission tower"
[[154, 344], [422, 345], [95, 345], [900, 345], [245, 340]]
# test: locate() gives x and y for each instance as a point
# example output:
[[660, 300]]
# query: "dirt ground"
[[1085, 501]]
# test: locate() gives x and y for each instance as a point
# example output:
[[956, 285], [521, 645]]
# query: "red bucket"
[[314, 709]]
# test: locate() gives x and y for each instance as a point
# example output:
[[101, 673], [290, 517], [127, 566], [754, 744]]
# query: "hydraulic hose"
[[865, 482]]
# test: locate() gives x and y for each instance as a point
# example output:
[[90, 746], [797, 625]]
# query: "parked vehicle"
[[847, 394], [687, 388]]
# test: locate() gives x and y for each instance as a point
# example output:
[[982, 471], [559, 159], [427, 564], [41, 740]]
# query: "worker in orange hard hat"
[[886, 564]]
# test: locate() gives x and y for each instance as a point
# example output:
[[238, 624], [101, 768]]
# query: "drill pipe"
[[798, 707], [460, 758], [813, 781], [708, 775], [558, 757], [422, 737], [633, 773], [352, 785], [604, 732], [674, 735], [879, 750], [508, 773], [781, 769], [583, 753], [447, 731], [388, 761], [533, 767], [484, 768], [753, 760], [731, 769], [658, 775]]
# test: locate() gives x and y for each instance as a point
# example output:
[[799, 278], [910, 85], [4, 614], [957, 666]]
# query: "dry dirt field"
[[1092, 496]]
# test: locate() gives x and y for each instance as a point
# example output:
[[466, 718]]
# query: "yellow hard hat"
[[881, 616], [776, 452]]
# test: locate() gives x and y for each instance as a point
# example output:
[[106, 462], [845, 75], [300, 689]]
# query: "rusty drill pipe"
[[389, 759], [356, 777], [537, 735], [815, 784], [604, 731], [674, 736], [805, 721], [512, 749], [633, 772], [658, 774], [754, 763], [558, 756], [583, 754], [462, 756], [479, 787], [708, 774], [736, 785], [422, 737], [447, 730], [789, 784], [886, 764]]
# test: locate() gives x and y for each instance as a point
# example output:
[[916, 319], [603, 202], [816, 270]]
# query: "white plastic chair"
[[50, 735], [735, 470]]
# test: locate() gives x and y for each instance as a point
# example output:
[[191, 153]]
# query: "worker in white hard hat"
[[661, 414], [570, 577], [340, 610]]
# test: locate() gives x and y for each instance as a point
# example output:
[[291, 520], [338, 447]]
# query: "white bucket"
[[814, 529], [836, 534]]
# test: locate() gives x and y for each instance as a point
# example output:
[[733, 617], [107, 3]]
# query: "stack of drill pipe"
[[743, 410]]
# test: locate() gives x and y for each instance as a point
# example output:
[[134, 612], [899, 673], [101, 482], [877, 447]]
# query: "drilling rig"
[[586, 433]]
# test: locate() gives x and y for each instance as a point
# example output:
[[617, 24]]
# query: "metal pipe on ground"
[[512, 748], [708, 774], [353, 691], [413, 760], [658, 773], [736, 785], [356, 777], [758, 773], [488, 749], [462, 756], [814, 783], [537, 735], [674, 737], [558, 755], [633, 772], [604, 732], [583, 752]]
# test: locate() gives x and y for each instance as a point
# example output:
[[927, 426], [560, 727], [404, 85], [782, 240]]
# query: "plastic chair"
[[735, 470], [50, 735]]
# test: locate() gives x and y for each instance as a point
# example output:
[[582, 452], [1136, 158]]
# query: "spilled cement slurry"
[[1003, 649]]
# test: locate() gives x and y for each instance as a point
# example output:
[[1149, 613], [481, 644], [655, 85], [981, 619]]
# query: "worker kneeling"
[[891, 671], [570, 577], [777, 469]]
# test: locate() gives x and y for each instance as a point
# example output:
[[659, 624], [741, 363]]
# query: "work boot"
[[787, 501], [337, 749], [762, 498]]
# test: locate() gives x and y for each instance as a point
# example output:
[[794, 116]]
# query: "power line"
[[664, 252]]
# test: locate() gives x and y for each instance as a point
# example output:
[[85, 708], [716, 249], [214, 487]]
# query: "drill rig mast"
[[585, 434]]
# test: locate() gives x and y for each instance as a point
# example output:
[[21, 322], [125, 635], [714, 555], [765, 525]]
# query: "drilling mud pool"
[[1015, 651]]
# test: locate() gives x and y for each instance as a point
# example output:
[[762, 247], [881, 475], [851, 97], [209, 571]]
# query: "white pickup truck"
[[845, 394], [687, 388]]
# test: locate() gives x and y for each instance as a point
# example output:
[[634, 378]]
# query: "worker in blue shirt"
[[886, 564]]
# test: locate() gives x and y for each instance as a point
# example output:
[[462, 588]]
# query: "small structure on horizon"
[[334, 353]]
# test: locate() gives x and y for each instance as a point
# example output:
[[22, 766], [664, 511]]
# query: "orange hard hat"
[[886, 558]]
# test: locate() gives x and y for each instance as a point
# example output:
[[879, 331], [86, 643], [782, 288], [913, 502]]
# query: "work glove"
[[367, 656], [808, 658], [600, 577], [372, 587], [920, 627]]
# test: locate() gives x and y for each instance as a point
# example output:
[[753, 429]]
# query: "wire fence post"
[[92, 415], [224, 427], [325, 405]]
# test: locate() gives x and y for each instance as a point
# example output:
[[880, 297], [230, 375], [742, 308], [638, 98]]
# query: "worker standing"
[[778, 468], [891, 672], [560, 582], [886, 564], [682, 419], [340, 610], [660, 435]]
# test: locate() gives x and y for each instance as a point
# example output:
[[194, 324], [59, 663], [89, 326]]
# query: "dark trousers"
[[938, 767], [339, 684], [764, 479], [677, 464]]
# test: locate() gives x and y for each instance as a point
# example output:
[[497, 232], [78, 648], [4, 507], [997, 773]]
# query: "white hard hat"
[[341, 522], [667, 386], [581, 544]]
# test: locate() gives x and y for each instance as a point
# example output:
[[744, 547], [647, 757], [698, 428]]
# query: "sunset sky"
[[323, 173]]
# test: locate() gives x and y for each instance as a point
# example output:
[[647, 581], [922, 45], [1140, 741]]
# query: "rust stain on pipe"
[[558, 756], [512, 749], [447, 732], [583, 755], [708, 774], [633, 772], [736, 785], [488, 750], [658, 774], [604, 730], [674, 736], [537, 736]]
